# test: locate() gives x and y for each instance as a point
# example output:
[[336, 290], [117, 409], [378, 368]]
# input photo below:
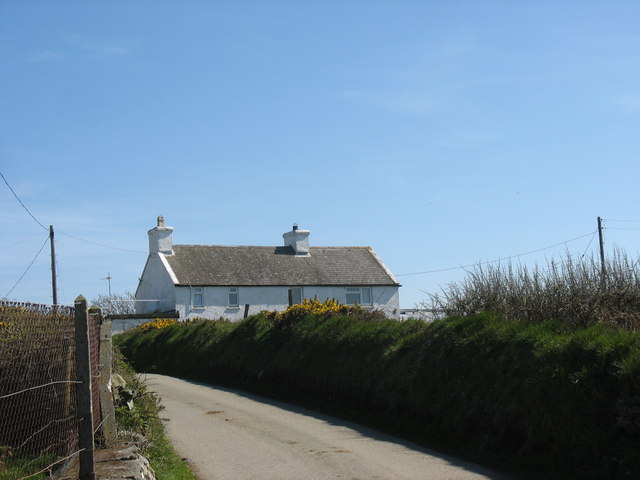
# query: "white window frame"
[[195, 292], [230, 292], [351, 291], [290, 298]]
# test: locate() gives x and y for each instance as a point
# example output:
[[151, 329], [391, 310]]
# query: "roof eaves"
[[348, 284], [166, 265], [382, 264]]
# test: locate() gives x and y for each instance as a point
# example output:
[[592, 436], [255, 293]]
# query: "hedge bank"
[[535, 398]]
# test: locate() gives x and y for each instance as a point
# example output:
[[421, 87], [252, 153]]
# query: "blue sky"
[[439, 133]]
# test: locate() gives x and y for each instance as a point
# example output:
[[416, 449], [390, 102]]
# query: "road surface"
[[231, 435]]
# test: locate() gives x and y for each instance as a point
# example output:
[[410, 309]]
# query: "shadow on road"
[[364, 431]]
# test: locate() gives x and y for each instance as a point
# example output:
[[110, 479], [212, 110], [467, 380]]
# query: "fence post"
[[83, 396], [106, 398]]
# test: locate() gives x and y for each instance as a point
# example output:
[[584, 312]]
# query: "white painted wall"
[[120, 325], [298, 240], [160, 238], [271, 298], [156, 288]]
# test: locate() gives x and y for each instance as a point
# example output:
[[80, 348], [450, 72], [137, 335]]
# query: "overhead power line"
[[63, 233], [589, 244], [25, 272], [101, 244], [461, 267], [23, 205]]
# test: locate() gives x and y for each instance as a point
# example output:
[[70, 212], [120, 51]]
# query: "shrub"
[[328, 308], [573, 291], [535, 396], [157, 324], [116, 304]]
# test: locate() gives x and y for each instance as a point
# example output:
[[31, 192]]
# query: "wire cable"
[[60, 286], [39, 386], [54, 463], [585, 250], [101, 244], [23, 205], [462, 267], [25, 272], [68, 235]]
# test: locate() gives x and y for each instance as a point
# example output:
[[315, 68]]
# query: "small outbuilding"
[[217, 281]]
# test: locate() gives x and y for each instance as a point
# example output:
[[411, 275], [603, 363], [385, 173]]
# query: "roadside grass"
[[23, 467], [144, 420], [540, 398]]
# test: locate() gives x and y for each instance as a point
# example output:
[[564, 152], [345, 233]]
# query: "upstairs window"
[[197, 296], [233, 297], [295, 296], [358, 296]]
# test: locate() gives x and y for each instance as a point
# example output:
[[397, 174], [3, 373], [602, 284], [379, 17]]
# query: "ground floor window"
[[295, 296], [233, 297], [197, 294], [359, 296]]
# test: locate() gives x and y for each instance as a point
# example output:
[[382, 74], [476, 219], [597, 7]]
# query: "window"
[[359, 296], [233, 297], [295, 296], [198, 296]]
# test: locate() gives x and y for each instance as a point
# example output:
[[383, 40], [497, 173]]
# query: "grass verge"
[[144, 420]]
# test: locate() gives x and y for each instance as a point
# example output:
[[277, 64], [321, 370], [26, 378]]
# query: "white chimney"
[[298, 240], [160, 240]]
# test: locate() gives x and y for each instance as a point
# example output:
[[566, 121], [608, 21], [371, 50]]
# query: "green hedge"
[[534, 398]]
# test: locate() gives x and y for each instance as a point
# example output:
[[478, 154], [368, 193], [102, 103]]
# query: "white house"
[[213, 281]]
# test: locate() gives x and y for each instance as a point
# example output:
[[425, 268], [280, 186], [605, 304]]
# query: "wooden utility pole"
[[83, 393], [603, 269], [53, 266]]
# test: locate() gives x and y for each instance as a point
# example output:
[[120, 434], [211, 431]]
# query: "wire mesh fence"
[[38, 380]]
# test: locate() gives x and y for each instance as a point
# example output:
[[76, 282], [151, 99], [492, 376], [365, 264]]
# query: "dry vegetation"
[[573, 291]]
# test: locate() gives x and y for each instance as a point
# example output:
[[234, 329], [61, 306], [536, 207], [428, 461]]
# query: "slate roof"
[[277, 266]]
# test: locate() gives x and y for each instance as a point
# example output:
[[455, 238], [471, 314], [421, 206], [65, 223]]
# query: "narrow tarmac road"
[[232, 435]]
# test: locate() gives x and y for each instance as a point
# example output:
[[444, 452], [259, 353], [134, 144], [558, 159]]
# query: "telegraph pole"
[[108, 278], [53, 266], [601, 247]]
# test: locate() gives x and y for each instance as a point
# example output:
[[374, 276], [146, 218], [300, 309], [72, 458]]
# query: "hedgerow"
[[578, 291], [536, 397]]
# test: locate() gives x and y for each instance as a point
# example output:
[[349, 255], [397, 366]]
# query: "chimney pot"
[[298, 240], [160, 238]]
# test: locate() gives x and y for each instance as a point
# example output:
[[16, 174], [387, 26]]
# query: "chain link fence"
[[38, 387]]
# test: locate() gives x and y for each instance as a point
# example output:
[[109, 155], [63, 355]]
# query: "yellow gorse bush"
[[330, 305], [314, 306], [157, 324]]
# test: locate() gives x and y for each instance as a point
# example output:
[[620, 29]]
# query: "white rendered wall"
[[161, 240], [298, 240], [271, 298], [156, 288]]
